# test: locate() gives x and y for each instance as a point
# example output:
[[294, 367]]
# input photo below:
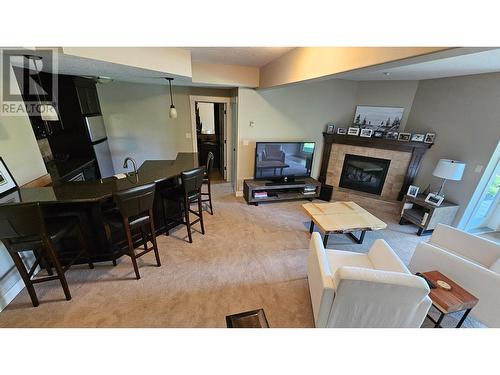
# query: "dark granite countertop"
[[59, 169], [94, 191]]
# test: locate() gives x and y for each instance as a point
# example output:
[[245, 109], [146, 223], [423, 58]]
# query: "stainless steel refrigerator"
[[99, 141]]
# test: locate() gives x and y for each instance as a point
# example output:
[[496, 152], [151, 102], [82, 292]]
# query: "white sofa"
[[466, 259], [364, 290]]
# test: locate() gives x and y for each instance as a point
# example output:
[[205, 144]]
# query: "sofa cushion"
[[495, 267], [339, 258]]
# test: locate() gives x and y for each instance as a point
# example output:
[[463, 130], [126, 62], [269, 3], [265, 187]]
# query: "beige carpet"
[[251, 257]]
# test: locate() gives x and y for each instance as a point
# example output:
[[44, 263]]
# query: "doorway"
[[211, 133]]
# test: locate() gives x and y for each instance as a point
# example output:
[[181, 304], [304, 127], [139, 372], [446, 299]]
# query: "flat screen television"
[[283, 160]]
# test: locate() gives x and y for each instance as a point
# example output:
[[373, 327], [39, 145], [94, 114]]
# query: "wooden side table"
[[248, 319], [449, 301], [426, 216]]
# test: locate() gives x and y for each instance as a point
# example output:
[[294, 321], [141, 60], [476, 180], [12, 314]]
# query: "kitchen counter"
[[59, 169], [94, 191]]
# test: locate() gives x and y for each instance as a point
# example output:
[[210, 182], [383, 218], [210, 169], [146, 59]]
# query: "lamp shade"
[[449, 169]]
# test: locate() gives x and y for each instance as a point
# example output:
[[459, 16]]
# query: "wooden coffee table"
[[248, 319], [342, 217], [449, 301]]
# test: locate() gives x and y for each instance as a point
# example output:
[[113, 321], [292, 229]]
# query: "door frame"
[[228, 136]]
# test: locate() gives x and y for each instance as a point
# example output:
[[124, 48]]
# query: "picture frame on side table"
[[404, 137], [342, 131], [413, 191], [7, 182], [430, 138], [330, 128], [366, 133], [417, 137], [434, 199], [353, 131]]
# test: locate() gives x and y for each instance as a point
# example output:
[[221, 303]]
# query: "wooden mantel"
[[417, 150]]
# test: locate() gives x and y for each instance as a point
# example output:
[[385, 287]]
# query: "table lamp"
[[448, 170]]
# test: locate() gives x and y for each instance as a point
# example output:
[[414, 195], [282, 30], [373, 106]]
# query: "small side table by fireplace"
[[426, 216], [449, 301]]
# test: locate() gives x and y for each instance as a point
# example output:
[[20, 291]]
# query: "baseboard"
[[11, 294]]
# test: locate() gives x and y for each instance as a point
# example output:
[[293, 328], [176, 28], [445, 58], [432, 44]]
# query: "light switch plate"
[[188, 135], [478, 169], [245, 142]]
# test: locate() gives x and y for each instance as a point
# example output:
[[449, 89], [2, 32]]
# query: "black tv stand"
[[256, 191], [283, 183]]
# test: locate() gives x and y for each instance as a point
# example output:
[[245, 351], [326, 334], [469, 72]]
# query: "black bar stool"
[[189, 193], [134, 212], [23, 228], [206, 181]]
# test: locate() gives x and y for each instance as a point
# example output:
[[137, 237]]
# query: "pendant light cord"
[[170, 86]]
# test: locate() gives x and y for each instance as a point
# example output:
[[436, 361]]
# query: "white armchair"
[[364, 290], [468, 260]]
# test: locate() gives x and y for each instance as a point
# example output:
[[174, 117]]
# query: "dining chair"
[[133, 213], [23, 227]]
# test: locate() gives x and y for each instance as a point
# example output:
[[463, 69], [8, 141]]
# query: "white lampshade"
[[172, 113], [48, 112], [449, 169]]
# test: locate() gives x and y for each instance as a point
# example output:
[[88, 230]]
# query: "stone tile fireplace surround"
[[405, 159]]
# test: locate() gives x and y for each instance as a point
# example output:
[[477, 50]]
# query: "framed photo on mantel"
[[7, 182]]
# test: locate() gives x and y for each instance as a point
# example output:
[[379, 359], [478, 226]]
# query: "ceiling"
[[476, 61], [247, 56]]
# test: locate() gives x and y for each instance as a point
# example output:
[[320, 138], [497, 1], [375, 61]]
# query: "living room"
[[289, 184]]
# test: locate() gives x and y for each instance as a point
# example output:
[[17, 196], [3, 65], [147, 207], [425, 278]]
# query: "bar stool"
[[189, 193], [134, 212], [23, 228], [206, 181]]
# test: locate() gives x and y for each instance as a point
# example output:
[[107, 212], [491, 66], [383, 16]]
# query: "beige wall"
[[137, 122], [388, 93], [306, 63], [465, 114], [295, 113], [222, 74], [20, 152]]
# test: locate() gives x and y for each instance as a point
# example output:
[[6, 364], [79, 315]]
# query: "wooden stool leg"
[[84, 247], [131, 248], [144, 239], [153, 238], [51, 251], [188, 223], [200, 212], [24, 275]]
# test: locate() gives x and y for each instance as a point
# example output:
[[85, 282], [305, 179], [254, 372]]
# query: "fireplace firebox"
[[364, 173]]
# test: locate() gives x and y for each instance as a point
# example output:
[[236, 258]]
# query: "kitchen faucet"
[[125, 163]]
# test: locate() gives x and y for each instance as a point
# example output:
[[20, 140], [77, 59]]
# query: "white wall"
[[20, 152], [137, 122], [464, 112], [207, 117]]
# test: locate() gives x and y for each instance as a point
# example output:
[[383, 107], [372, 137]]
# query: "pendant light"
[[172, 113]]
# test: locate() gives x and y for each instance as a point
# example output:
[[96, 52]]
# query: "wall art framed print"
[[434, 199], [342, 131], [367, 133], [385, 119], [430, 137], [404, 137], [330, 128], [413, 191], [417, 137], [7, 182], [353, 131]]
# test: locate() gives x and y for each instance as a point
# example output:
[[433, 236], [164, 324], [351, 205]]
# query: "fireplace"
[[364, 173]]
